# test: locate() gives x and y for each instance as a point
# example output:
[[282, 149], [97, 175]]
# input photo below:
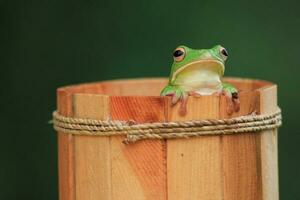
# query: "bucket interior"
[[151, 86]]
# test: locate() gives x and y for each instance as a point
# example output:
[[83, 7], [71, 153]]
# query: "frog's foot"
[[236, 101], [183, 105], [177, 95], [232, 98], [233, 102], [183, 97]]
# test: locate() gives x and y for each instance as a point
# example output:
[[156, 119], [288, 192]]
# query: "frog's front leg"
[[232, 97], [178, 94]]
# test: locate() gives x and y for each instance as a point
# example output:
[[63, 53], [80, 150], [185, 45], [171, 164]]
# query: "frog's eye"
[[179, 54], [224, 53]]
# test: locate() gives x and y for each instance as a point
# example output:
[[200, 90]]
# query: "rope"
[[166, 130]]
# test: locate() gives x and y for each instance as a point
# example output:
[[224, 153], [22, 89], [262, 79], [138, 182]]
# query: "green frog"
[[199, 72]]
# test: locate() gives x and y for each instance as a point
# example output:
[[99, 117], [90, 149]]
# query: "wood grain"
[[268, 146], [193, 165], [231, 167], [65, 150], [241, 155], [92, 154], [134, 87], [138, 170]]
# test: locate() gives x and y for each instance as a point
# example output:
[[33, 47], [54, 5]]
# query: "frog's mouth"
[[213, 66]]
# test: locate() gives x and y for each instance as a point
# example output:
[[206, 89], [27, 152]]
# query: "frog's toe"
[[233, 102], [236, 104], [182, 98], [183, 106], [175, 99], [235, 95], [167, 93], [236, 101], [230, 107]]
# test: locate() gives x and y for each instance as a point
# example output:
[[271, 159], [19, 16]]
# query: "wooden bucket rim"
[[87, 88]]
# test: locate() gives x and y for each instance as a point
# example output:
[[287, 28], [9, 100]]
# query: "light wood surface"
[[241, 155], [138, 170], [231, 167], [65, 150], [193, 165], [268, 146], [92, 154]]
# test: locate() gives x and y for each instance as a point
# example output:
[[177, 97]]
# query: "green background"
[[46, 44]]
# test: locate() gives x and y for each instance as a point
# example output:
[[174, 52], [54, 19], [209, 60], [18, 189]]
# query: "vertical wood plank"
[[138, 170], [268, 141], [65, 150], [194, 165], [241, 155], [92, 161]]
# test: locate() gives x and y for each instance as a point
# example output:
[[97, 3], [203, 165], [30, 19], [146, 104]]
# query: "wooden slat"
[[65, 150], [138, 170], [268, 142], [92, 154], [241, 155], [194, 164]]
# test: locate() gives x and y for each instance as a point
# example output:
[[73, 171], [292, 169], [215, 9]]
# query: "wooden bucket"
[[221, 167]]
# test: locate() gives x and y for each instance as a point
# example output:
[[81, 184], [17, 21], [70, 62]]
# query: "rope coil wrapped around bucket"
[[166, 130]]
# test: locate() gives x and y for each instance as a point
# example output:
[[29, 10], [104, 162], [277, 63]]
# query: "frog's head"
[[187, 61]]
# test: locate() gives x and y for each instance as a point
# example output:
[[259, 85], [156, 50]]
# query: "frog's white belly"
[[203, 82]]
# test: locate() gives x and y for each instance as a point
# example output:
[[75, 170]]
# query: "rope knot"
[[130, 139]]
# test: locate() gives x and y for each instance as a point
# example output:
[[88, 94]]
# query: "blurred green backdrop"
[[46, 44]]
